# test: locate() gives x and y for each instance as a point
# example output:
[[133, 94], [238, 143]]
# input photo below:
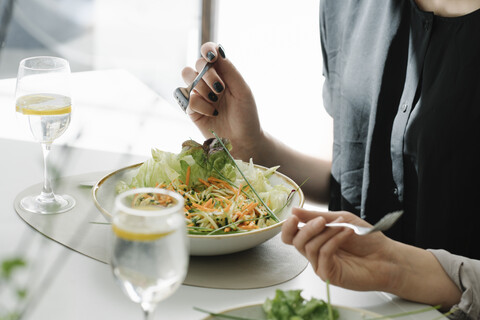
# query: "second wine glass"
[[149, 256], [43, 102]]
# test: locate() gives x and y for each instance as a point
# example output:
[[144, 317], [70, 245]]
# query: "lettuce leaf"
[[204, 161], [290, 305]]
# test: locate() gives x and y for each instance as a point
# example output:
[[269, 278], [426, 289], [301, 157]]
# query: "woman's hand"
[[371, 262], [337, 254], [223, 102]]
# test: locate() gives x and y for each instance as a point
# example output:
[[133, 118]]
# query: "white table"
[[68, 285]]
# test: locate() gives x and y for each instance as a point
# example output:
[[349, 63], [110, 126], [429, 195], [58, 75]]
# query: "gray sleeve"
[[465, 273]]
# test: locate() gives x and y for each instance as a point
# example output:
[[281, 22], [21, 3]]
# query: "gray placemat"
[[84, 230]]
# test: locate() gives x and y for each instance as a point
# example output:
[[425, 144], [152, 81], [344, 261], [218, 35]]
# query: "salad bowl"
[[105, 190]]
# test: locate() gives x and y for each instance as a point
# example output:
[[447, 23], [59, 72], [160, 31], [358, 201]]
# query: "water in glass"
[[149, 255], [43, 102]]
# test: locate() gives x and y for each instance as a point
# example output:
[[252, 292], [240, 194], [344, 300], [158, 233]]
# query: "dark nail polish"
[[210, 55], [221, 51], [215, 113], [212, 96], [218, 86]]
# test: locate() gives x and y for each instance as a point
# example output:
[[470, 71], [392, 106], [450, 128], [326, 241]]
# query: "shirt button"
[[395, 191], [404, 107]]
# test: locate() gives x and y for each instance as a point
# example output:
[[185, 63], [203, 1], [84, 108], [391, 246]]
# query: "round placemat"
[[84, 230]]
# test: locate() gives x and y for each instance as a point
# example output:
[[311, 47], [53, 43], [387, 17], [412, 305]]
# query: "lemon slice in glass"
[[44, 105], [138, 236]]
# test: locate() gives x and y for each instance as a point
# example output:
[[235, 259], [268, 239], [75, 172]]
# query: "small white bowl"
[[203, 245]]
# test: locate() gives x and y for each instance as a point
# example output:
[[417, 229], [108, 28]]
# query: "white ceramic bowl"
[[203, 245]]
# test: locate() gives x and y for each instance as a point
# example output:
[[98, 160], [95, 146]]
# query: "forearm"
[[300, 167], [418, 276]]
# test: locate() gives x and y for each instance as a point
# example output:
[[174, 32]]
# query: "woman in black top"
[[403, 87]]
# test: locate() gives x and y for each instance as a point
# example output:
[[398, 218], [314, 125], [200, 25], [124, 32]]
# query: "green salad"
[[222, 195], [290, 305]]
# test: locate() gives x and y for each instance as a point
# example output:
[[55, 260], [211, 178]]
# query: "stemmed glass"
[[149, 256], [43, 102]]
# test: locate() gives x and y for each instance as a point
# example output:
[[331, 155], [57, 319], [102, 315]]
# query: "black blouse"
[[403, 88]]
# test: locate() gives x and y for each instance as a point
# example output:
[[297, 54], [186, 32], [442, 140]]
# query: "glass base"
[[58, 204]]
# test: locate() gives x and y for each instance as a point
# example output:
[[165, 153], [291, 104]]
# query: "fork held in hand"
[[384, 224], [182, 95]]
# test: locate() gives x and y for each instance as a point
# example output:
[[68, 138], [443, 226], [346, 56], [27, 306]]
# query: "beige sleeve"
[[466, 275]]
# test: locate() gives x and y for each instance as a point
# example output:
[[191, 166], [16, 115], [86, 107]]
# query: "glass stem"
[[148, 310], [148, 315], [47, 192]]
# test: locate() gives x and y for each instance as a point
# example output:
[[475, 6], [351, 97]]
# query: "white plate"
[[203, 245], [256, 312]]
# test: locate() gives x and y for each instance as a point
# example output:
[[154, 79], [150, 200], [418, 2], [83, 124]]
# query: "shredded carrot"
[[248, 208], [239, 191], [209, 203], [204, 182], [187, 178], [220, 183], [228, 186], [248, 227], [203, 208], [213, 179]]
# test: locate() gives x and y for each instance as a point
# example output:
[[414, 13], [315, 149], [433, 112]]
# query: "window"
[[274, 43], [151, 39], [276, 46]]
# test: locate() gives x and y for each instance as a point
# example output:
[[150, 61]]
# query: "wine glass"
[[43, 102], [149, 256]]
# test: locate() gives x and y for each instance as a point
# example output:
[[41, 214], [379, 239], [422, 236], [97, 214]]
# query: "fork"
[[384, 224], [182, 95]]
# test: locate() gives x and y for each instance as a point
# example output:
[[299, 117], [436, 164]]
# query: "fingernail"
[[221, 51], [218, 86], [212, 96], [215, 113], [210, 55]]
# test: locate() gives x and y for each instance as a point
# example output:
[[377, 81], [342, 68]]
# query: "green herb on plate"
[[290, 305]]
